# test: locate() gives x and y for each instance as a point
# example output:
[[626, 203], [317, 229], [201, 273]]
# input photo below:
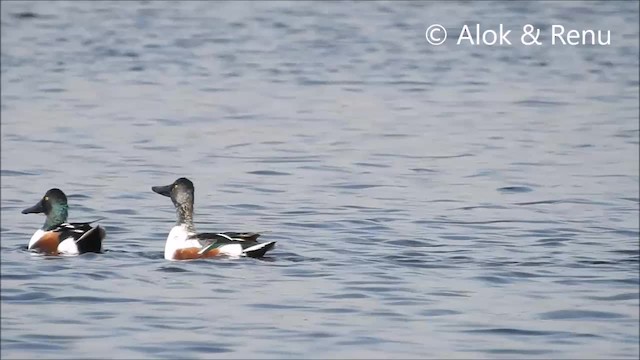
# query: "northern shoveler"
[[183, 243], [56, 235]]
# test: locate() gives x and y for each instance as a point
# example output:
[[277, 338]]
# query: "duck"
[[184, 243], [57, 236]]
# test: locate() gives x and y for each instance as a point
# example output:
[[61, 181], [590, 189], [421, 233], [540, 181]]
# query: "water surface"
[[428, 202]]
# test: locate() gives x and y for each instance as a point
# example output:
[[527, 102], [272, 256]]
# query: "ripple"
[[524, 332], [27, 15], [93, 300], [618, 297], [78, 196], [268, 173], [338, 310], [172, 269], [31, 296], [519, 351], [496, 280], [5, 172], [515, 189], [439, 312], [278, 306], [579, 315], [364, 164], [43, 346], [173, 348], [539, 103], [122, 211], [452, 293], [355, 186], [408, 243], [423, 170], [347, 296], [562, 201], [472, 222]]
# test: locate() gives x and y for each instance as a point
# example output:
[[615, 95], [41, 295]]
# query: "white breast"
[[177, 239], [36, 236]]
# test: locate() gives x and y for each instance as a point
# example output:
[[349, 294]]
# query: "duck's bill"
[[162, 190], [35, 209]]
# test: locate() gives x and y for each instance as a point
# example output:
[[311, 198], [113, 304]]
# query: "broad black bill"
[[162, 190], [35, 209]]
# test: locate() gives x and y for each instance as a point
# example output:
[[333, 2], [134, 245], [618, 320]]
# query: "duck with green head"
[[57, 237]]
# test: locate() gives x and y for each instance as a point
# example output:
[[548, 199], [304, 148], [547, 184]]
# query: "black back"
[[87, 238]]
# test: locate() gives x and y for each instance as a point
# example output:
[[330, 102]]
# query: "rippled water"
[[452, 201]]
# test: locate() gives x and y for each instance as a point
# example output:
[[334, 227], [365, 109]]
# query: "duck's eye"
[[175, 186], [46, 198]]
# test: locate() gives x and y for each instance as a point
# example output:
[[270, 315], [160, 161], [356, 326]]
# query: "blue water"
[[427, 202]]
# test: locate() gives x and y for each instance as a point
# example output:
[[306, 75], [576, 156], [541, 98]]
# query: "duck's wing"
[[242, 236], [85, 237], [211, 241], [247, 241], [71, 230], [225, 237]]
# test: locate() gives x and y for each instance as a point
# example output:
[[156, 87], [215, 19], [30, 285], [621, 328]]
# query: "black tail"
[[91, 241], [259, 250]]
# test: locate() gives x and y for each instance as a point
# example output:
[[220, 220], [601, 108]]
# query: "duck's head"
[[54, 205], [180, 192]]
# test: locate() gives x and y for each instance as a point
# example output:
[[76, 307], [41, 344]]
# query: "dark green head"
[[181, 194], [54, 205]]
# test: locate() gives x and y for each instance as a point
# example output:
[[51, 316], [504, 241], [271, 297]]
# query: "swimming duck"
[[56, 235], [183, 243]]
